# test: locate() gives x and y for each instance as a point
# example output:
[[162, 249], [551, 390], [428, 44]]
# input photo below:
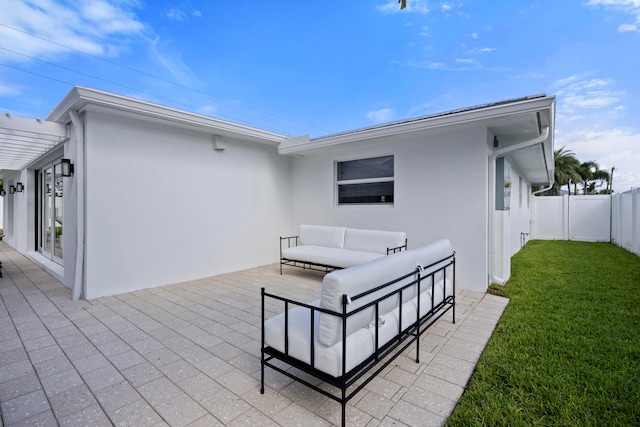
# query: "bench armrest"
[[397, 249]]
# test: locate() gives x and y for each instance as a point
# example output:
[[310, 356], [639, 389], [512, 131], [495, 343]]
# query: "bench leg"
[[262, 378]]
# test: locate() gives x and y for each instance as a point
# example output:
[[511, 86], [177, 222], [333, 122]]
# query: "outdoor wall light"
[[67, 167], [12, 189], [3, 193], [19, 187]]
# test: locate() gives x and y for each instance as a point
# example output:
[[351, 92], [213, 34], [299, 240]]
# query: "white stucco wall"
[[509, 224], [164, 207], [440, 192]]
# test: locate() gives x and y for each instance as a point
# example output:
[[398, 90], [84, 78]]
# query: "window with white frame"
[[365, 181]]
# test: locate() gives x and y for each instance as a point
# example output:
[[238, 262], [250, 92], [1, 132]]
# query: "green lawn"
[[567, 348]]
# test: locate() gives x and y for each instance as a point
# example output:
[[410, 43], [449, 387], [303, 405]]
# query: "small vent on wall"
[[219, 143]]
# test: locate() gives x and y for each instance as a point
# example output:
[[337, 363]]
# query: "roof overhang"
[[22, 141], [83, 99], [511, 121]]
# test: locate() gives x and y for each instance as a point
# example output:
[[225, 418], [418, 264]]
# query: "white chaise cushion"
[[373, 240], [322, 235], [328, 256], [356, 280]]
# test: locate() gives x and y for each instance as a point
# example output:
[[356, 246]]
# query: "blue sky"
[[320, 67]]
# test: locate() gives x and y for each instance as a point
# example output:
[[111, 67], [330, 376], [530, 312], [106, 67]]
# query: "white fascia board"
[[80, 98], [300, 145]]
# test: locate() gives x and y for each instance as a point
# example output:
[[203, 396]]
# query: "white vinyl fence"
[[626, 220], [601, 218], [584, 218]]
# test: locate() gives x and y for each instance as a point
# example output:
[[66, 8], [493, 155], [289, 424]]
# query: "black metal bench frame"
[[366, 371], [307, 265]]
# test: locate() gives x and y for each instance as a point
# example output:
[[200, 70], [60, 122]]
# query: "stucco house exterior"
[[159, 195]]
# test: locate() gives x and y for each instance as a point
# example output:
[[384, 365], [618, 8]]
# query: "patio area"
[[189, 354]]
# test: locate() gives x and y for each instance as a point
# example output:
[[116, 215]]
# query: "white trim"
[[467, 116], [81, 98]]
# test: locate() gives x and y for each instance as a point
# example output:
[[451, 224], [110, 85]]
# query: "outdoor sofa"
[[366, 316], [321, 247]]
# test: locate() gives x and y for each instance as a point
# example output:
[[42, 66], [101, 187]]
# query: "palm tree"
[[592, 177], [403, 3], [567, 169]]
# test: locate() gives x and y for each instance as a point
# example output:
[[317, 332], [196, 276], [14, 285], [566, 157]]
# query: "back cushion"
[[376, 241], [433, 252], [355, 280], [322, 235]]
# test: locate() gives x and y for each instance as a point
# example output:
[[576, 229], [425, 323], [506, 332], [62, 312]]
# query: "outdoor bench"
[[326, 248], [366, 316]]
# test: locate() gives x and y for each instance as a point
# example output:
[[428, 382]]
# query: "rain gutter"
[[79, 176]]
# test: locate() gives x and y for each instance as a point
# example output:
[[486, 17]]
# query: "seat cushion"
[[328, 359], [356, 280], [322, 235], [323, 255], [373, 240]]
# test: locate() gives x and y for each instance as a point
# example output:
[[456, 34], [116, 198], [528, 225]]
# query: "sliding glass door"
[[50, 211]]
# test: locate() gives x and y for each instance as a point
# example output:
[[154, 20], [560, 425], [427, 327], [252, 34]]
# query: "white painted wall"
[[164, 207], [440, 192]]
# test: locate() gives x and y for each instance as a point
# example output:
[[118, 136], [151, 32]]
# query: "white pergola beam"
[[24, 140]]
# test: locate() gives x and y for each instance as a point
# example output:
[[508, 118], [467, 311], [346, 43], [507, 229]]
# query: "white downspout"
[[492, 195], [79, 175]]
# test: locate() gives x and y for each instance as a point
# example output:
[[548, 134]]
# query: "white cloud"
[[578, 93], [466, 61], [381, 116], [413, 6], [424, 31], [9, 89], [627, 28], [176, 14], [473, 35], [611, 147], [97, 27], [630, 7], [171, 60]]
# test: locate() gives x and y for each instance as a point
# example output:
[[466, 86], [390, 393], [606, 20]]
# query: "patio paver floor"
[[188, 355]]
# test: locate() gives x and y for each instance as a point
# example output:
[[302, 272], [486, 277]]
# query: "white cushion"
[[373, 240], [355, 280], [431, 253], [360, 344], [328, 256], [425, 256], [322, 235]]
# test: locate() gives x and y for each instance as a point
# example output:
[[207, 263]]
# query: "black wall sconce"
[[12, 189], [19, 187], [3, 193], [67, 167]]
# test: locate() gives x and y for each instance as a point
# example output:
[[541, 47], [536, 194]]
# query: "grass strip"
[[567, 348]]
